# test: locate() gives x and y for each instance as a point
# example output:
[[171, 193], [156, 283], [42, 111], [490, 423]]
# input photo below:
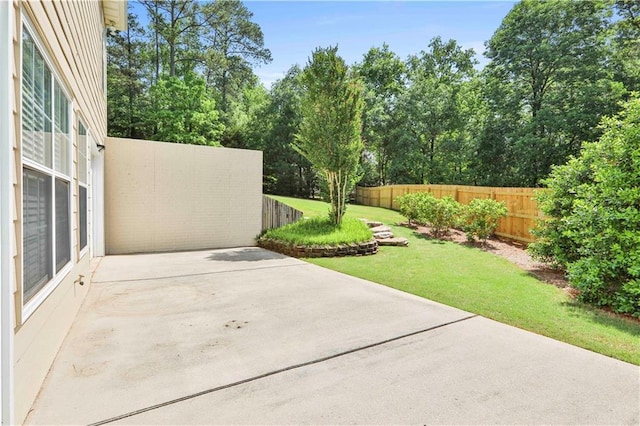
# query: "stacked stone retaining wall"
[[362, 249]]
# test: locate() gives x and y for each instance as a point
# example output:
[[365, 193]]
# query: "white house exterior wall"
[[70, 36]]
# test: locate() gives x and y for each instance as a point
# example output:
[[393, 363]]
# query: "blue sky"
[[293, 29]]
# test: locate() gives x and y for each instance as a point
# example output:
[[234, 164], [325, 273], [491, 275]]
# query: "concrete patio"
[[247, 336]]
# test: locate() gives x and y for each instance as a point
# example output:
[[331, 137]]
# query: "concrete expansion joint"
[[199, 274], [280, 371]]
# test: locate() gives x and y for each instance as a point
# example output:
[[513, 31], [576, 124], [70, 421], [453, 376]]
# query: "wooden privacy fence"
[[523, 209], [276, 214]]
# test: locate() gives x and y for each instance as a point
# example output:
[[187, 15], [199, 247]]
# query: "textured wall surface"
[[167, 197]]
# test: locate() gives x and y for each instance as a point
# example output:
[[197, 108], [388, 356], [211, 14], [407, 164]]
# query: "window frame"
[[83, 250], [30, 305]]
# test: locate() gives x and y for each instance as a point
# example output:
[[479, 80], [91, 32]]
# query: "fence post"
[[391, 202]]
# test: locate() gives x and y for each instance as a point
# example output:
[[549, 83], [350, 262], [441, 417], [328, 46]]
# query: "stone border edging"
[[362, 249]]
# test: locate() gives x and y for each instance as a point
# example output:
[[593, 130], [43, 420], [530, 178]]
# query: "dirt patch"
[[514, 251]]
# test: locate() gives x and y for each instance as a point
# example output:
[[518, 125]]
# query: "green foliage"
[[231, 43], [626, 53], [430, 142], [382, 72], [441, 214], [185, 114], [330, 131], [410, 205], [422, 207], [127, 100], [185, 43], [593, 216], [555, 68], [320, 231], [480, 218], [286, 172], [548, 83]]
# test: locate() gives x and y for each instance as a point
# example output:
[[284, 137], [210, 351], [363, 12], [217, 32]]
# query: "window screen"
[[83, 217], [37, 231], [63, 237]]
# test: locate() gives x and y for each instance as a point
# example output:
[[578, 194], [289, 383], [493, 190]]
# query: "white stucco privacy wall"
[[166, 197]]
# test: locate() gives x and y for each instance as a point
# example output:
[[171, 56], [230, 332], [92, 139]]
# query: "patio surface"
[[247, 336]]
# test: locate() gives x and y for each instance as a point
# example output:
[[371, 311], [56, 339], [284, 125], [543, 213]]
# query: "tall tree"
[[627, 44], [243, 114], [286, 172], [232, 44], [431, 106], [126, 88], [176, 23], [383, 75], [552, 56], [330, 131]]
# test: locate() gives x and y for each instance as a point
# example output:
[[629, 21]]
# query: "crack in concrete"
[[275, 372], [195, 275]]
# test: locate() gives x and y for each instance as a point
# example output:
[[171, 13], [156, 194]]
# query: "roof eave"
[[115, 14]]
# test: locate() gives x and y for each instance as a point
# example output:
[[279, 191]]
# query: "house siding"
[[71, 34], [167, 197]]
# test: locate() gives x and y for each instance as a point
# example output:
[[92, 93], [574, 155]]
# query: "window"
[[46, 172], [37, 236], [82, 184]]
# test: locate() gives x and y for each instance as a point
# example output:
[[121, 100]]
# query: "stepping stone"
[[382, 235], [381, 228], [397, 241], [371, 223]]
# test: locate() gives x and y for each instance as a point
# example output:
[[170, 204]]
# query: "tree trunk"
[[130, 86], [157, 41], [172, 43]]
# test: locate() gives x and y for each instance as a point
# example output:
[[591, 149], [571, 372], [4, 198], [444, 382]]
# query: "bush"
[[593, 216], [480, 218], [410, 205], [423, 208], [441, 214]]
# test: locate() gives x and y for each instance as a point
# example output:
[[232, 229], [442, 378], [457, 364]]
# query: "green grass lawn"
[[479, 282], [318, 231]]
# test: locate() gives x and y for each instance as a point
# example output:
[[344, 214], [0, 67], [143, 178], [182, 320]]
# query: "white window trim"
[[41, 295], [6, 219], [87, 155]]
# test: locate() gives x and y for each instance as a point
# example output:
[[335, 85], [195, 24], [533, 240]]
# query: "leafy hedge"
[[593, 216], [479, 219]]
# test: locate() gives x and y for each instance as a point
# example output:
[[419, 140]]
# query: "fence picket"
[[276, 214]]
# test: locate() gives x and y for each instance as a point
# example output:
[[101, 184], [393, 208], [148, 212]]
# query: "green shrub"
[[593, 216], [480, 218], [412, 206], [441, 214], [423, 208]]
